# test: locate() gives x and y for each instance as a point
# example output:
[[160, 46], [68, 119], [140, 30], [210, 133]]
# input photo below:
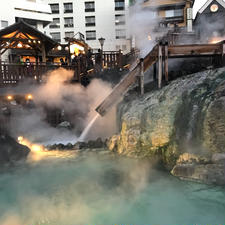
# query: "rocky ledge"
[[181, 126], [11, 151]]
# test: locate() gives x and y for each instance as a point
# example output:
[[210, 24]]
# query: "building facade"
[[91, 20]]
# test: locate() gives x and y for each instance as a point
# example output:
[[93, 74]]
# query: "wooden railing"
[[13, 73], [160, 53]]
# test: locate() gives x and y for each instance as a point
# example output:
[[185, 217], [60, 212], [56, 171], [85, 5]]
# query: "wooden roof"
[[22, 35]]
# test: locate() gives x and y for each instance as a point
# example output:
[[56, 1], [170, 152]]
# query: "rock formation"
[[11, 151], [185, 117]]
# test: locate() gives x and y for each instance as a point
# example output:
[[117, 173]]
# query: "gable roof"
[[204, 7], [23, 31]]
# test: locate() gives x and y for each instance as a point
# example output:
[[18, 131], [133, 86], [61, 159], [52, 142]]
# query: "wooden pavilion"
[[22, 36]]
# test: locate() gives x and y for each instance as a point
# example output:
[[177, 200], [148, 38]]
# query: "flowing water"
[[88, 127], [97, 188]]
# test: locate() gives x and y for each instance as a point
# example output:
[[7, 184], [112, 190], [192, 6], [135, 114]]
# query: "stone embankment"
[[181, 126]]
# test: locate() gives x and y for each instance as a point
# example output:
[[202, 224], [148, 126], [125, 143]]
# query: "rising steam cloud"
[[75, 101]]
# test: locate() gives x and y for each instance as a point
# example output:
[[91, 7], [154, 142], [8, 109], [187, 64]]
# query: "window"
[[69, 34], [90, 21], [91, 35], [55, 23], [4, 23], [119, 19], [68, 22], [68, 7], [174, 13], [120, 34], [119, 5], [89, 6], [55, 8], [56, 36], [124, 47]]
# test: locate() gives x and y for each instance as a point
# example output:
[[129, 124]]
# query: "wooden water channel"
[[160, 54]]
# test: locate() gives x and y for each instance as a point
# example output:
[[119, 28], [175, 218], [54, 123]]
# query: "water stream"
[[88, 127], [97, 188]]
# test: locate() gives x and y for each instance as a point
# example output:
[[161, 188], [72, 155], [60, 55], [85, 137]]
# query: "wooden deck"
[[160, 53]]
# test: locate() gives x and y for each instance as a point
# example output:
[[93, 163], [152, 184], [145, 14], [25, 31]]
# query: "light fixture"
[[29, 41], [19, 45], [101, 41], [10, 97], [66, 48], [34, 41], [29, 97], [39, 42], [214, 8], [59, 47]]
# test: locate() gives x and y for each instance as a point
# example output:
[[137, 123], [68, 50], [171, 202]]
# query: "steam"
[[75, 104], [143, 24]]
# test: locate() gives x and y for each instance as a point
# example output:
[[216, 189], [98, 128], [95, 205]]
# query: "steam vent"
[[109, 116]]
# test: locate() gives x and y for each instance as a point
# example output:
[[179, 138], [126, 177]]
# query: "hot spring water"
[[101, 189]]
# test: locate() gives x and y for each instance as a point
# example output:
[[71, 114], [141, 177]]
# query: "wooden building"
[[25, 40], [210, 22], [171, 13]]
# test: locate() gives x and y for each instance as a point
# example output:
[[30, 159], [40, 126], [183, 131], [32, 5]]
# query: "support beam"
[[43, 53], [160, 67], [166, 73], [142, 76]]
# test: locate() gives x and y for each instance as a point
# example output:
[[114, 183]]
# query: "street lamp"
[[101, 41]]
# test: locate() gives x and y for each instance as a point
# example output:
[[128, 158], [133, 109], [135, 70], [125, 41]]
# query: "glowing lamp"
[[19, 45], [34, 41], [29, 97], [29, 41], [59, 47], [10, 97], [20, 139], [214, 8]]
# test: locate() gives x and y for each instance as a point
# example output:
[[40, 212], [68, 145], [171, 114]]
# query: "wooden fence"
[[13, 73]]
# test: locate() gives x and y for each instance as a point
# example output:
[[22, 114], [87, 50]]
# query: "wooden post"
[[160, 66], [120, 60], [154, 71], [223, 55], [142, 76], [43, 52], [1, 74], [166, 62]]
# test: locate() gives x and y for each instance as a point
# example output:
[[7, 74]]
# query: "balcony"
[[54, 26], [90, 10], [68, 25], [68, 10], [90, 24]]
